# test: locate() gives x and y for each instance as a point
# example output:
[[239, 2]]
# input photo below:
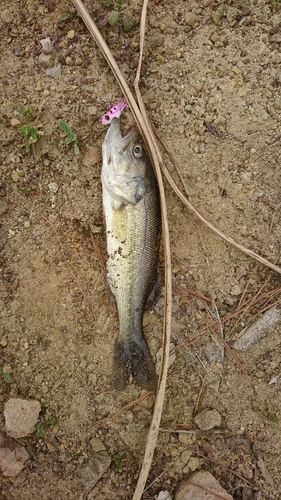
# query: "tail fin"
[[134, 360]]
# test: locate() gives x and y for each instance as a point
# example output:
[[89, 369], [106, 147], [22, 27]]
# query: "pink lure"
[[113, 112]]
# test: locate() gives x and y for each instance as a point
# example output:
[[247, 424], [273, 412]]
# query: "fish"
[[133, 224]]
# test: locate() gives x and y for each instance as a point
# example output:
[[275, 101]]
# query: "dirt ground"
[[211, 83]]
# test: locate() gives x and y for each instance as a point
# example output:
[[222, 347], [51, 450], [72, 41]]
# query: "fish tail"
[[133, 360]]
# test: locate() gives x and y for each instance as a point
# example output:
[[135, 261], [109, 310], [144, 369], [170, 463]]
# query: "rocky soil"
[[211, 81]]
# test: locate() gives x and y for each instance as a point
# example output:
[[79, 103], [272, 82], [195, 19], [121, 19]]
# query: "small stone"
[[214, 37], [17, 51], [15, 176], [187, 438], [163, 495], [46, 60], [53, 187], [68, 60], [190, 18], [49, 53], [197, 86], [47, 46], [13, 456], [97, 445], [236, 70], [208, 419], [54, 72], [185, 456], [50, 447], [235, 290], [218, 14], [21, 416], [91, 472], [70, 34], [15, 122], [201, 486], [7, 16], [3, 207], [277, 105], [46, 93], [194, 463]]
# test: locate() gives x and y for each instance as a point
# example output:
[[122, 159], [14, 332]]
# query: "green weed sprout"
[[41, 430], [113, 18], [30, 135], [70, 135]]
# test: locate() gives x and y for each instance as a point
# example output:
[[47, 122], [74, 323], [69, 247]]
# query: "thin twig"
[[105, 420], [158, 477]]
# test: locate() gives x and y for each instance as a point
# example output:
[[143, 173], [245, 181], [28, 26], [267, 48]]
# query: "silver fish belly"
[[132, 214]]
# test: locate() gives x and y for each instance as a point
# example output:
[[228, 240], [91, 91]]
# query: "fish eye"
[[138, 151]]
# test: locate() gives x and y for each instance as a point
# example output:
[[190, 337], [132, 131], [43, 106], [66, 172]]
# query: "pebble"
[[187, 438], [185, 456], [163, 495], [236, 290], [97, 445], [194, 463], [15, 122], [218, 14], [90, 472], [236, 70], [190, 18], [13, 456], [54, 72], [208, 419], [21, 416], [7, 16], [70, 34], [53, 187], [201, 486], [49, 53], [3, 207]]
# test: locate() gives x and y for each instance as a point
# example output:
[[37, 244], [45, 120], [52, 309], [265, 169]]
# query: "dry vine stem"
[[145, 130]]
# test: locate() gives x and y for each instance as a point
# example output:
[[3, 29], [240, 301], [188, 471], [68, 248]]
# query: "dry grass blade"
[[147, 134]]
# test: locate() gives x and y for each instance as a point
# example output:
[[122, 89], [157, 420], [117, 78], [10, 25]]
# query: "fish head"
[[126, 171]]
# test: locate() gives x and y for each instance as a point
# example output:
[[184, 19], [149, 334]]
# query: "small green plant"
[[41, 430], [105, 3], [7, 377], [70, 135], [119, 5], [116, 15], [273, 418], [127, 23], [117, 459], [30, 135], [28, 112], [113, 18], [30, 124]]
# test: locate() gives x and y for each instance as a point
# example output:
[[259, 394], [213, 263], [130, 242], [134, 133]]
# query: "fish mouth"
[[114, 139]]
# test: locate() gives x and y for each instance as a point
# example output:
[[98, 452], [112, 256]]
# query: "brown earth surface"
[[211, 83]]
